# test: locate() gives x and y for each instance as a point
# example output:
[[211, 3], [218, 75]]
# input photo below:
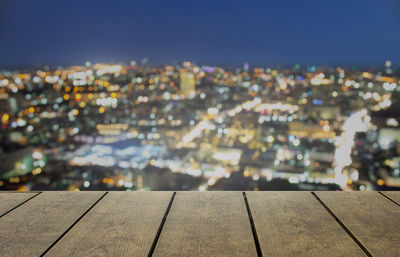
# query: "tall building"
[[246, 66], [188, 83]]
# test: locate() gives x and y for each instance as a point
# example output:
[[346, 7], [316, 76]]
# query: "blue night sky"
[[344, 32]]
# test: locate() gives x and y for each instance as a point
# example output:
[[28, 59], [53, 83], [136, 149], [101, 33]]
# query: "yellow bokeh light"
[[5, 117]]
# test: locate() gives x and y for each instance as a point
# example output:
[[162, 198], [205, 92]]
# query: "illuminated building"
[[115, 126], [187, 83]]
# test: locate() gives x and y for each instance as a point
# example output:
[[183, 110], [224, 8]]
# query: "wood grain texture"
[[121, 224], [394, 195], [373, 219], [207, 224], [296, 224], [31, 228], [10, 200]]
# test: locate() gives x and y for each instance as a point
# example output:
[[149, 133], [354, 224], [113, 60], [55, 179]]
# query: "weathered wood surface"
[[372, 219], [394, 195], [199, 224], [31, 228], [207, 224], [296, 224], [8, 201], [121, 224]]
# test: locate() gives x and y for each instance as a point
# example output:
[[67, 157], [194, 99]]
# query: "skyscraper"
[[246, 66], [188, 83]]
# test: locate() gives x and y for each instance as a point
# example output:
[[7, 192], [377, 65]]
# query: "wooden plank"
[[296, 224], [121, 224], [8, 201], [35, 225], [372, 219], [394, 195], [207, 224]]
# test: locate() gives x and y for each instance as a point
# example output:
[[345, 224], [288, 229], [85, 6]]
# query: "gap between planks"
[[342, 225], [253, 227], [387, 197], [164, 219], [73, 224], [33, 196]]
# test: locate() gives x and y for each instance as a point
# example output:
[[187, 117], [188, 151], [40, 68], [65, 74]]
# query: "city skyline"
[[190, 127]]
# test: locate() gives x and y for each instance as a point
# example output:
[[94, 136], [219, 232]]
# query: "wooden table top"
[[199, 223]]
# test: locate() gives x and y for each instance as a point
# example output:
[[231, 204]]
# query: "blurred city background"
[[199, 96]]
